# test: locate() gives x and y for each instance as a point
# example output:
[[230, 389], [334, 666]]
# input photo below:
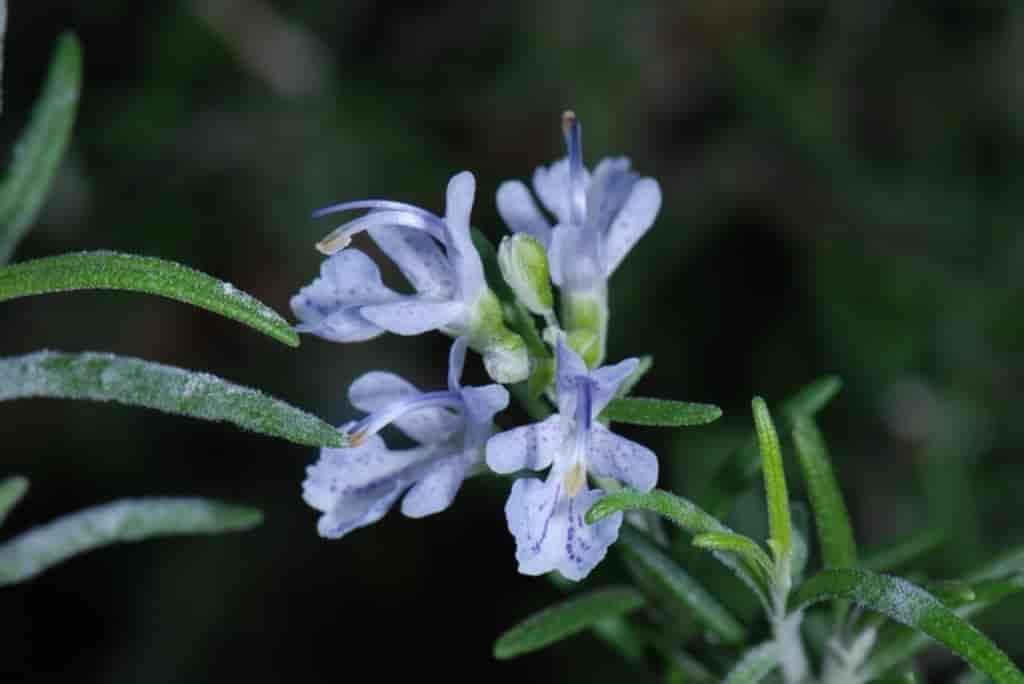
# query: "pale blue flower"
[[599, 216], [547, 517], [350, 303], [355, 486]]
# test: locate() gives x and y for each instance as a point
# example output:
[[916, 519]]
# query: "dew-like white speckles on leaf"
[[125, 380], [42, 547]]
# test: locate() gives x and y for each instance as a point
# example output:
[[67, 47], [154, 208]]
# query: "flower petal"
[[606, 381], [482, 403], [530, 447], [551, 183], [570, 365], [624, 460], [456, 362], [610, 187], [419, 258], [413, 315], [436, 489], [633, 221], [376, 390], [550, 531], [520, 213], [573, 259]]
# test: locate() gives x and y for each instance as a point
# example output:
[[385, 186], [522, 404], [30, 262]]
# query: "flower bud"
[[524, 265], [504, 353]]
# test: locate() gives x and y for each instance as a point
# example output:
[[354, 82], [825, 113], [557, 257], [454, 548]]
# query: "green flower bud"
[[585, 317], [524, 265], [505, 356]]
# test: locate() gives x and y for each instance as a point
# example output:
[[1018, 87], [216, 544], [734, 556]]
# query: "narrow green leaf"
[[953, 593], [835, 534], [619, 634], [811, 399], [910, 605], [676, 585], [12, 489], [1007, 563], [683, 513], [889, 558], [897, 643], [128, 272], [779, 523], [642, 369], [105, 377], [565, 619], [38, 152], [129, 520], [660, 412], [738, 544], [755, 665]]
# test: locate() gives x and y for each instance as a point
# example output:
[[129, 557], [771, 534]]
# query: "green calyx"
[[524, 266], [504, 353], [585, 317]]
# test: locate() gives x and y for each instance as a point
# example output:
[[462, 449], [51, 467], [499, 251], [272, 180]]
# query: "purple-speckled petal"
[[482, 403], [419, 257], [330, 307], [354, 487], [520, 213], [462, 255], [377, 390], [606, 381], [626, 461], [632, 222], [610, 187], [574, 260], [414, 315], [436, 489], [551, 183], [530, 447], [550, 530]]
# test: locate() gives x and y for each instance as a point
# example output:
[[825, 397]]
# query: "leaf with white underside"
[[12, 489], [686, 515], [40, 548], [131, 273], [755, 665], [125, 380], [565, 619], [780, 525], [914, 607], [38, 153], [660, 412], [676, 585]]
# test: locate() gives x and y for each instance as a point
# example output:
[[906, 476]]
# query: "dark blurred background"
[[840, 196]]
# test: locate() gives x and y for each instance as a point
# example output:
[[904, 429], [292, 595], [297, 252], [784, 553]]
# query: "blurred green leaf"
[[830, 515], [811, 399], [125, 380], [676, 585], [755, 665], [1007, 563], [903, 553], [953, 593], [32, 552], [12, 489], [565, 619], [780, 525], [128, 272], [910, 605], [38, 153], [740, 545], [659, 412]]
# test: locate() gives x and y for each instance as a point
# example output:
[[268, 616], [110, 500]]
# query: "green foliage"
[[565, 619], [35, 551], [112, 271], [894, 556], [38, 153], [755, 665], [911, 605], [12, 489], [659, 412], [780, 525], [105, 377]]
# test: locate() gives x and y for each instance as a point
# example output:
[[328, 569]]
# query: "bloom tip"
[[336, 240]]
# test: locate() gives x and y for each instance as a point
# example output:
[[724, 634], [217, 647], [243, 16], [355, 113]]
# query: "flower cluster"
[[598, 216]]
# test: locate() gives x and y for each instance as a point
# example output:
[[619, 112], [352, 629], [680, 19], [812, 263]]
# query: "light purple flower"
[[599, 216], [355, 486], [350, 303], [547, 517]]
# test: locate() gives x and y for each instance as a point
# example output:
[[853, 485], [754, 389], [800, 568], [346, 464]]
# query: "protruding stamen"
[[335, 241], [382, 213], [377, 421], [573, 131]]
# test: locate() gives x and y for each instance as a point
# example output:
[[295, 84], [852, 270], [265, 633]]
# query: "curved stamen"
[[572, 131], [377, 421], [340, 237]]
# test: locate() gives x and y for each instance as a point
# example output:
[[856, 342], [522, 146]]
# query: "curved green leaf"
[[38, 153], [659, 412], [676, 585], [888, 558], [741, 545], [105, 377], [129, 520], [832, 520], [132, 273], [565, 619], [780, 524], [1007, 563], [910, 605], [12, 489], [811, 399], [755, 665]]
